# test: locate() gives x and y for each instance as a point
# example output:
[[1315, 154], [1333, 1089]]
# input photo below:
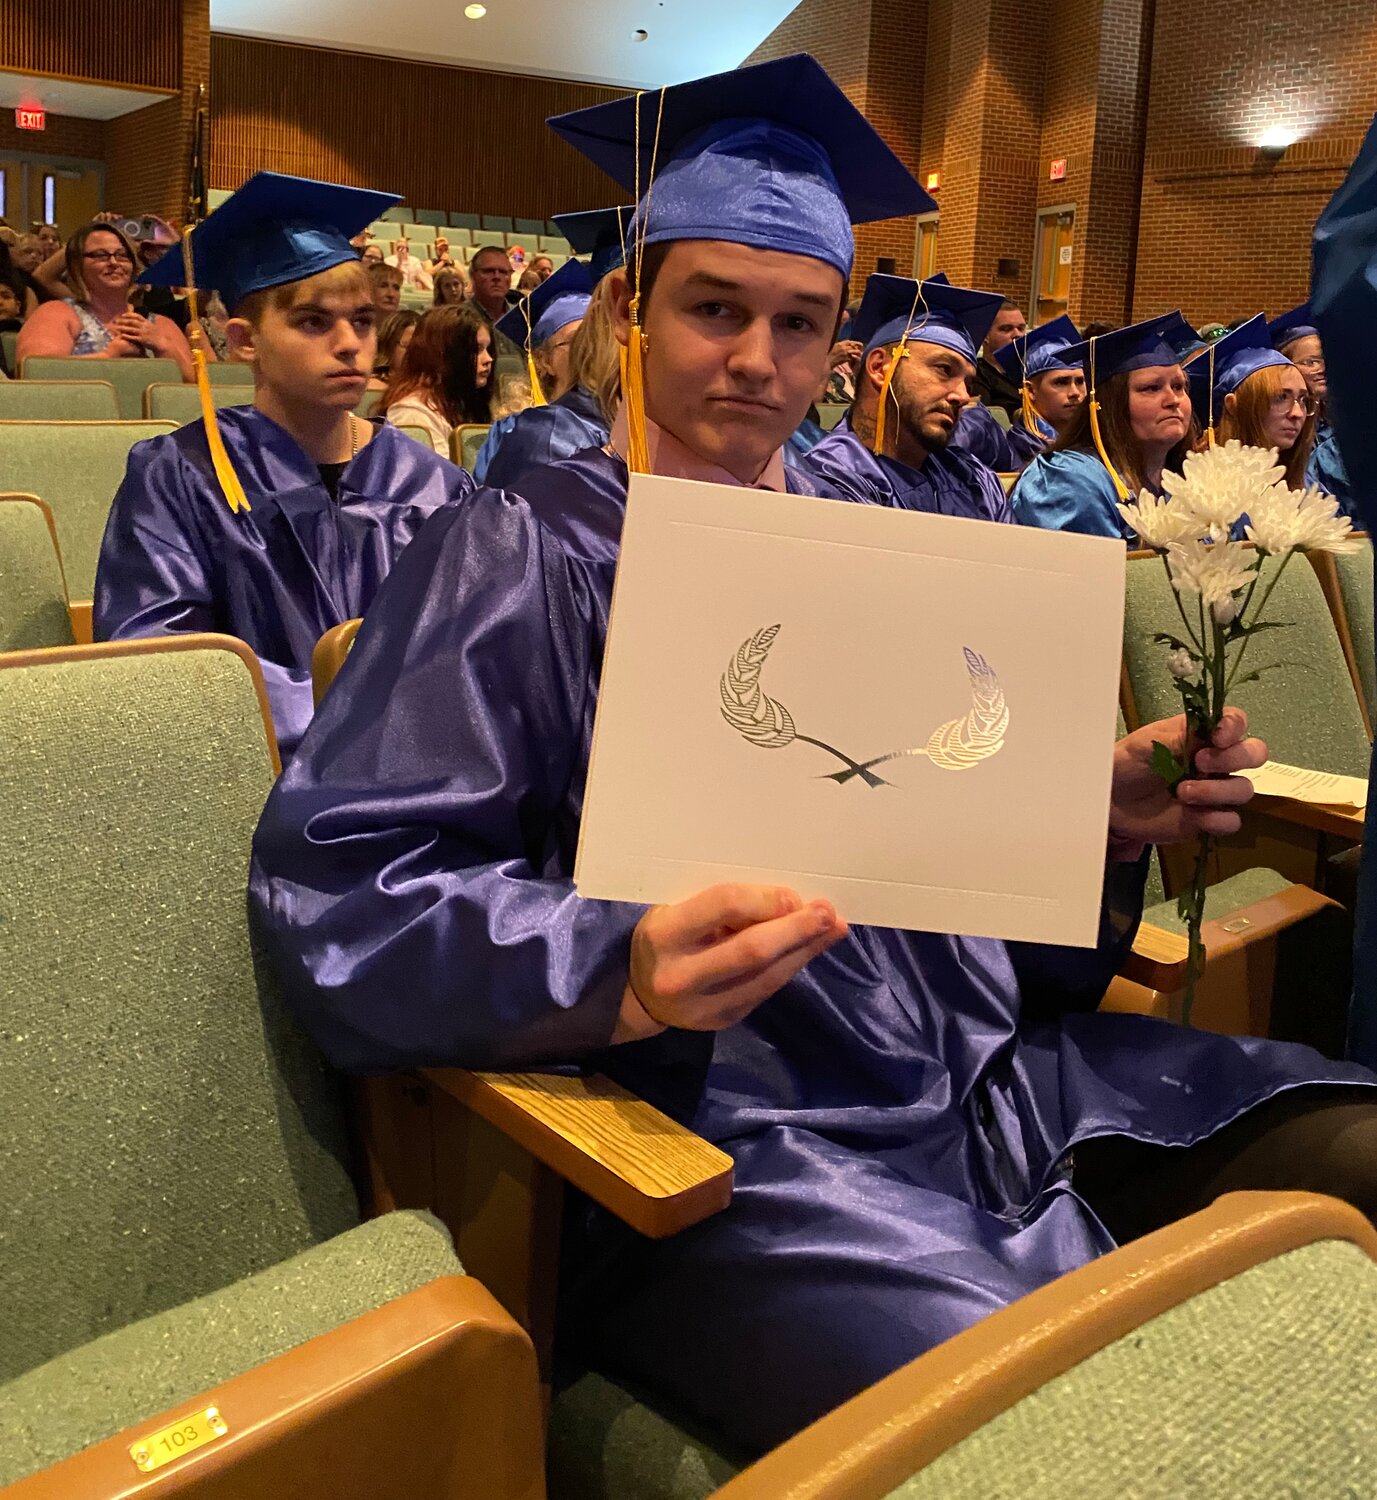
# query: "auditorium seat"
[[33, 594], [383, 229], [416, 434], [497, 222], [216, 196], [186, 1254], [1347, 585], [229, 372], [554, 244], [830, 413], [9, 341], [76, 467], [458, 238], [428, 216], [182, 403], [369, 404], [465, 221], [465, 441], [1229, 1354], [487, 236], [399, 213], [1001, 417], [529, 227], [58, 401], [130, 377]]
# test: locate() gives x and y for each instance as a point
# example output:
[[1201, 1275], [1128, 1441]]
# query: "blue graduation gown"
[[539, 435], [950, 483], [1025, 446], [176, 558], [900, 1113], [980, 434], [1069, 491], [1343, 300]]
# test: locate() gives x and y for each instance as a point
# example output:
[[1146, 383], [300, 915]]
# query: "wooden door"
[[1055, 247]]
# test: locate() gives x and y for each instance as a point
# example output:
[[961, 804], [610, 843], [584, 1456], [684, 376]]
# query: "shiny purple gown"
[[176, 558], [902, 1114]]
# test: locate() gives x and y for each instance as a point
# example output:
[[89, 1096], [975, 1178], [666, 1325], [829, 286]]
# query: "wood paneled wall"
[[135, 42], [442, 137]]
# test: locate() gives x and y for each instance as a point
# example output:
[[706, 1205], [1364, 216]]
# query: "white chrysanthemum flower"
[[1181, 664], [1157, 522], [1308, 519], [1216, 571], [1219, 486]]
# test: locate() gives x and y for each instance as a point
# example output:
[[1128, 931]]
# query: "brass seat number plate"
[[183, 1436]]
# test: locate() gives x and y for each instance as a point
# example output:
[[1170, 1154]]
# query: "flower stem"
[[1181, 608], [1257, 614], [1192, 908]]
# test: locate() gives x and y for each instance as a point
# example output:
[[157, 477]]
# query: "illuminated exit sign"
[[31, 119]]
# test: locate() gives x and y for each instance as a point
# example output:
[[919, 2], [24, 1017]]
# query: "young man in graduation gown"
[[549, 428], [902, 1108], [276, 521], [1052, 383], [917, 368]]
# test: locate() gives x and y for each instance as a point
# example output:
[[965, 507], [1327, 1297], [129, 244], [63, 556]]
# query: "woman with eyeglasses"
[[1294, 334], [97, 320]]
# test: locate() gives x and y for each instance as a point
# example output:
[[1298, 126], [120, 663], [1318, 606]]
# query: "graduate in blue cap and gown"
[[1136, 421], [1051, 386], [276, 521], [1296, 334], [901, 1107], [1344, 302], [895, 446], [573, 418]]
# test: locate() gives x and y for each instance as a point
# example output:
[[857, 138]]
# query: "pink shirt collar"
[[671, 459]]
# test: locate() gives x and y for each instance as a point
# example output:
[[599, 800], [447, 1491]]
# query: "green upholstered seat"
[[76, 467], [497, 221], [428, 216], [216, 196], [229, 372], [182, 403], [1260, 1386], [399, 213], [169, 1134], [486, 236], [1001, 417], [605, 1444], [528, 227], [416, 434], [471, 439], [464, 221], [1221, 899], [58, 401], [9, 342], [369, 404], [130, 377], [1355, 589], [1305, 706], [33, 597], [830, 413]]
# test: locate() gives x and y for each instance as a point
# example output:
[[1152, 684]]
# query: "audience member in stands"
[[1145, 426], [328, 500], [387, 289], [441, 258], [13, 279], [543, 266], [918, 365], [158, 239], [992, 386], [528, 281], [1294, 334], [394, 338], [27, 253], [372, 255], [450, 290], [413, 271], [1052, 382], [1258, 397], [96, 321], [446, 379], [490, 275], [49, 238], [924, 1127]]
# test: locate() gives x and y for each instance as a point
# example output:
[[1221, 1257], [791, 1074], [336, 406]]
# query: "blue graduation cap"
[[1151, 344], [561, 298], [275, 229], [1220, 369], [931, 312], [1046, 347], [773, 156], [1295, 324], [601, 234]]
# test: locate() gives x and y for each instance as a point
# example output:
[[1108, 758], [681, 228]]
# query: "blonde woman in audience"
[[96, 321], [414, 273], [450, 289], [446, 379], [387, 288], [394, 336]]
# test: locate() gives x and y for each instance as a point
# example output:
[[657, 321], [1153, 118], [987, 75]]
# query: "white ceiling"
[[87, 101], [592, 41]]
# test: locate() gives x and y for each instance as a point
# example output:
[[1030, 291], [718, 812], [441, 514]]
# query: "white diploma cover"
[[911, 715]]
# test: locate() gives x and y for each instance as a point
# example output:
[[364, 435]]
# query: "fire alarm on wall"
[[1058, 172]]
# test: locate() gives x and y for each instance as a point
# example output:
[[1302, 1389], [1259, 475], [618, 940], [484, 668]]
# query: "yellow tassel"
[[881, 422], [633, 394], [1030, 416], [1209, 413], [537, 394], [1120, 488], [230, 486]]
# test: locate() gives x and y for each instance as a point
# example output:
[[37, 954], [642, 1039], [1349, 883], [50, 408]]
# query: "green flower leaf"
[[1166, 766]]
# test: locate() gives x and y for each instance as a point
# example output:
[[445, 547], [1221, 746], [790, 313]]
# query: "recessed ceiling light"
[[475, 12], [639, 35]]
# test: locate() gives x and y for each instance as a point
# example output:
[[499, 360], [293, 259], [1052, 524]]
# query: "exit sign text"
[[31, 119], [1058, 172]]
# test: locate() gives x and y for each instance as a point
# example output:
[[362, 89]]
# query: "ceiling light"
[[639, 35], [475, 12]]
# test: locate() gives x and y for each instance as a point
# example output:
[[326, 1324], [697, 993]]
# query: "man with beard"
[[917, 372]]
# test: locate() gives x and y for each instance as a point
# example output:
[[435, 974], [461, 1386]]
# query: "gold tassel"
[[1209, 409], [633, 394], [881, 422], [230, 486], [1120, 488], [537, 394], [1030, 416]]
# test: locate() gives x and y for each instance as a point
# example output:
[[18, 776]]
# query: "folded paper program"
[[1324, 788]]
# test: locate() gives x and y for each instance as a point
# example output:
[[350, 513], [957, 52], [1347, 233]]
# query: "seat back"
[[497, 221], [167, 1129], [494, 237], [464, 221], [399, 213], [1304, 705], [9, 342], [1347, 582], [416, 434], [76, 467], [130, 377], [182, 403], [529, 227], [229, 372], [465, 441], [429, 216], [33, 596], [58, 401], [329, 654]]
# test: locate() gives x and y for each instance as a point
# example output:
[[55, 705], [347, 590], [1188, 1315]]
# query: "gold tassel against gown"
[[1120, 488], [881, 418], [230, 486], [633, 394]]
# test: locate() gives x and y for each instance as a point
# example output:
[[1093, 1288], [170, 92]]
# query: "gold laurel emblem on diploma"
[[957, 745]]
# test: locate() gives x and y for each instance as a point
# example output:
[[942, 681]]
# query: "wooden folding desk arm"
[[1157, 959], [651, 1172]]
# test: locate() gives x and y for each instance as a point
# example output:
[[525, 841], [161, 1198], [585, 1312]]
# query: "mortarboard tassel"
[[900, 352], [633, 353], [1120, 488], [1209, 412], [230, 486], [537, 390], [1030, 416]]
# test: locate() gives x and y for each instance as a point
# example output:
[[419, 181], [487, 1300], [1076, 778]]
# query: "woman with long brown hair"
[[447, 377], [394, 338], [1135, 423]]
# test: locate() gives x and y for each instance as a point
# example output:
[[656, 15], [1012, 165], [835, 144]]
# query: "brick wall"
[[1223, 232], [65, 136]]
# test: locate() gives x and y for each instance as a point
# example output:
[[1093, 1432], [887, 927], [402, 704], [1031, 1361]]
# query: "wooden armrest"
[[80, 611], [433, 1395], [1344, 823], [654, 1174], [1260, 920], [1157, 959]]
